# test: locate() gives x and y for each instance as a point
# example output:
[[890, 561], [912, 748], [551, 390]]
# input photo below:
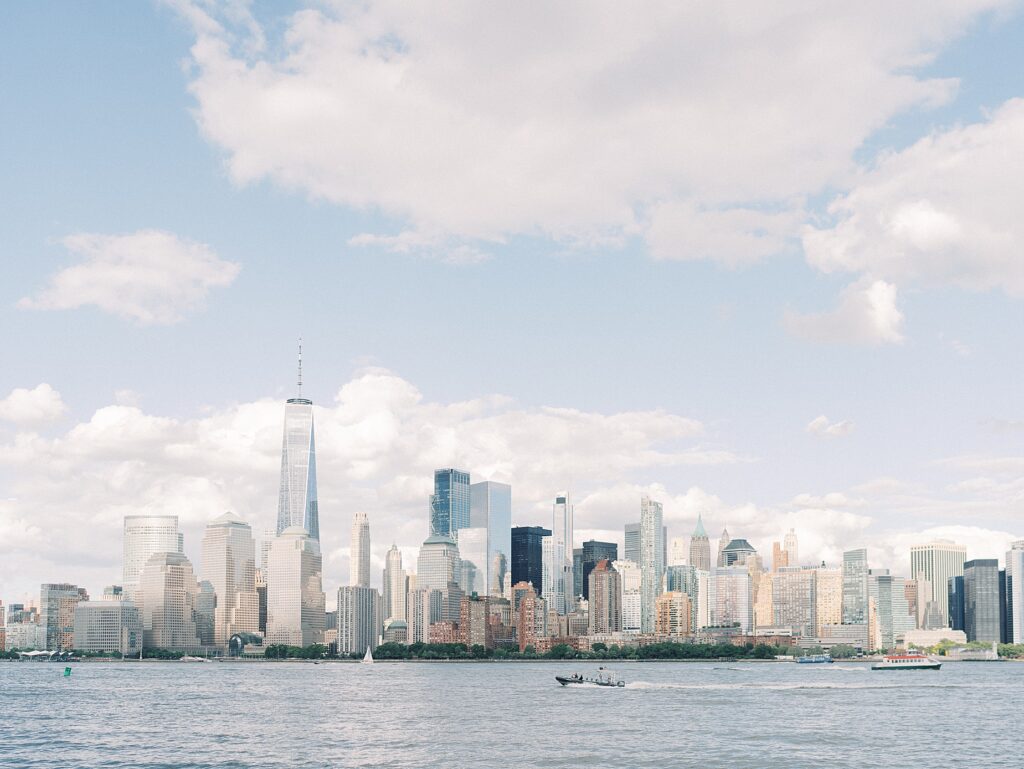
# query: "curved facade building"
[[297, 501]]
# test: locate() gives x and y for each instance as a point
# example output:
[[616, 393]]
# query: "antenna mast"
[[300, 366]]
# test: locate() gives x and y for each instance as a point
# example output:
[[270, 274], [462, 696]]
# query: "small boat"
[[814, 659], [906, 662], [603, 678], [187, 658], [367, 658]]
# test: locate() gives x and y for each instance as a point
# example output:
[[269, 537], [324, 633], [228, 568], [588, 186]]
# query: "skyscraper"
[[673, 613], [359, 552], [490, 508], [955, 603], [792, 550], [108, 626], [794, 600], [700, 547], [736, 552], [605, 590], [828, 598], [297, 500], [631, 549], [935, 563], [592, 553], [723, 542], [1015, 592], [295, 597], [730, 599], [677, 552], [527, 555], [780, 558], [855, 587], [438, 568], [229, 564], [652, 564], [359, 622], [57, 603], [169, 596], [629, 574], [143, 536], [981, 600], [394, 585], [562, 599], [450, 502], [891, 617]]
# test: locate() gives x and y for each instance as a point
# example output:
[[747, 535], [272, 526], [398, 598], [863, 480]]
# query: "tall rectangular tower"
[[449, 504], [528, 555], [490, 508], [297, 498], [652, 560], [935, 563]]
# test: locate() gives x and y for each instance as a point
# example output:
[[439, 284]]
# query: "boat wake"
[[794, 686]]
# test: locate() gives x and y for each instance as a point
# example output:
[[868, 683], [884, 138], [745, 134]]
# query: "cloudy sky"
[[761, 261]]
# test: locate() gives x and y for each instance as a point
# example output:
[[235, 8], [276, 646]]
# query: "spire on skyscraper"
[[699, 530]]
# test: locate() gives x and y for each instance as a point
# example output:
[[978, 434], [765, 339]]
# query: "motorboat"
[[812, 659], [603, 678], [906, 662]]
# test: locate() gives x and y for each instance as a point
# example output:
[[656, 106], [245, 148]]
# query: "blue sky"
[[610, 282]]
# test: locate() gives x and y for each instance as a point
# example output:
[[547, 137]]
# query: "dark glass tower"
[[590, 554], [527, 555]]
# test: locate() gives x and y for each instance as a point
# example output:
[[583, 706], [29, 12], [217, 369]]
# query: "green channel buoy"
[[67, 672]]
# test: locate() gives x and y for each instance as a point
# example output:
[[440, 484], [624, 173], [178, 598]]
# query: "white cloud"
[[149, 276], [32, 407], [577, 121], [822, 426], [830, 500], [867, 314], [945, 211]]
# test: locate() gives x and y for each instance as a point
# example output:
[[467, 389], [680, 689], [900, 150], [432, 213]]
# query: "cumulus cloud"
[[149, 276], [37, 406], [829, 500], [377, 445], [577, 122], [866, 314], [945, 211], [822, 426]]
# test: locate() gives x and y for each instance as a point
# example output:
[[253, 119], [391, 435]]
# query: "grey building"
[[108, 626], [981, 600], [631, 551], [855, 587], [528, 555], [592, 552], [358, 619]]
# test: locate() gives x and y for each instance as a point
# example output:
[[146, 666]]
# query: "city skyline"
[[812, 272]]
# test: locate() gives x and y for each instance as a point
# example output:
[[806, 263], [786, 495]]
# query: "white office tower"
[[297, 499], [730, 597], [1015, 592], [473, 560], [794, 600], [394, 585], [168, 594], [143, 536], [295, 596], [490, 508], [677, 552], [936, 562], [229, 565], [789, 544], [561, 599], [108, 626], [630, 599], [359, 623], [359, 552], [547, 585], [424, 608], [652, 560]]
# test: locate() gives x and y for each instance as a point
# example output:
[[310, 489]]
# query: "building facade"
[[528, 555], [450, 502], [144, 535], [855, 587], [168, 595], [652, 560], [297, 504], [359, 551], [490, 508], [981, 600], [358, 619], [295, 597], [934, 563], [605, 591], [229, 565], [108, 626]]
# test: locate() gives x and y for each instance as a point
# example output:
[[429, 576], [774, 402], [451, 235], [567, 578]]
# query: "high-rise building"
[[229, 564], [794, 600], [1015, 592], [936, 562], [577, 572], [474, 622], [672, 614], [828, 598], [424, 609], [530, 614], [295, 596], [57, 603], [855, 587], [168, 593], [981, 600], [955, 603], [631, 582], [780, 558], [450, 502], [297, 501], [700, 547], [143, 536], [688, 579], [792, 549], [605, 589], [723, 541], [631, 549], [108, 626], [652, 563], [736, 552], [394, 585], [677, 549], [547, 579], [438, 568], [359, 552], [561, 598], [592, 553], [891, 618], [527, 555], [730, 598], [490, 508], [359, 622]]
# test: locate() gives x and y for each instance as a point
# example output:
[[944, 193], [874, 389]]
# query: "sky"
[[759, 261]]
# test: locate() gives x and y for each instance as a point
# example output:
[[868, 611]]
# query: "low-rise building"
[[108, 626]]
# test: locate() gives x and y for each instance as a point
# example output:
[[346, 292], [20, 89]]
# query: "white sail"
[[367, 658]]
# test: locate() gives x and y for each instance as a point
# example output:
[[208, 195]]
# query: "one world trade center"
[[297, 504]]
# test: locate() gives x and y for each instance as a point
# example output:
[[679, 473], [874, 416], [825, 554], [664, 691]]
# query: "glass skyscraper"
[[449, 504], [652, 560], [561, 555], [229, 564], [528, 555], [855, 587], [981, 600], [591, 554], [143, 536], [491, 509], [297, 500]]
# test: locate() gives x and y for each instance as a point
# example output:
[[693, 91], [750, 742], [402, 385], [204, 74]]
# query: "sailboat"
[[367, 658]]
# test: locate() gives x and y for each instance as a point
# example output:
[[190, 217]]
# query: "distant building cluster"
[[480, 581]]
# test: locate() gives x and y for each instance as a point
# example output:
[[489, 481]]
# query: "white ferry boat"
[[906, 662]]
